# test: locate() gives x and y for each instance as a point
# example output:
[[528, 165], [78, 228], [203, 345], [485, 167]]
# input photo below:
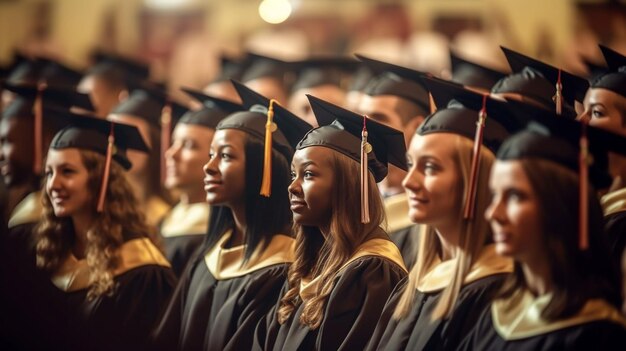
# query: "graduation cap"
[[366, 141], [54, 72], [260, 66], [595, 69], [30, 100], [268, 121], [613, 81], [212, 112], [469, 123], [107, 138], [318, 71], [25, 70], [152, 104], [567, 86], [529, 83], [614, 59], [105, 63], [572, 144], [231, 68], [361, 77], [472, 74], [398, 81]]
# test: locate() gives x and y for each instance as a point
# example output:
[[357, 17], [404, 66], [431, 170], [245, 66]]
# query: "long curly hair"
[[323, 257], [121, 217]]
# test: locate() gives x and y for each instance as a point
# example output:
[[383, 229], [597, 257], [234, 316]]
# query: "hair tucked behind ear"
[[474, 236], [323, 257], [121, 217]]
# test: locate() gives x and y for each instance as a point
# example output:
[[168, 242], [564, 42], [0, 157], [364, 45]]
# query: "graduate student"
[[345, 263], [184, 227], [108, 280], [237, 275], [564, 292], [457, 270]]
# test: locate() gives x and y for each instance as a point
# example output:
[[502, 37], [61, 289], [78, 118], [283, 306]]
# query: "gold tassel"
[[107, 170], [558, 98], [583, 216], [166, 126], [470, 195], [366, 148], [37, 129], [270, 127]]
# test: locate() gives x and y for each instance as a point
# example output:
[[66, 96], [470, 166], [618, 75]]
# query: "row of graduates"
[[340, 283]]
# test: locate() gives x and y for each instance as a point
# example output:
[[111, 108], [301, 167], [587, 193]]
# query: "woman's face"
[[311, 187], [433, 183], [139, 160], [225, 173], [514, 212], [186, 156], [66, 183], [606, 109]]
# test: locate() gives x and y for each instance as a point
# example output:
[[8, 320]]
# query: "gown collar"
[[227, 263], [27, 211], [397, 210], [186, 219], [73, 274], [613, 202], [519, 316]]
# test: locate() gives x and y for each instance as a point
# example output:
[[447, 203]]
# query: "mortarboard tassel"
[[583, 164], [37, 128], [366, 148], [107, 169], [558, 98], [166, 126], [470, 196], [270, 127]]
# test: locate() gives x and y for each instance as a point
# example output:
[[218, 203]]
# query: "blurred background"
[[182, 39]]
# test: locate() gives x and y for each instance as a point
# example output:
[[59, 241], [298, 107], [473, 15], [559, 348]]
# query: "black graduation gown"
[[614, 207], [182, 232], [350, 313], [401, 230], [417, 331], [216, 306], [594, 334], [407, 241]]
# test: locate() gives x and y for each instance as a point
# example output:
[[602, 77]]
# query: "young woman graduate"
[[457, 270], [238, 273], [184, 227], [108, 277], [345, 265], [564, 292]]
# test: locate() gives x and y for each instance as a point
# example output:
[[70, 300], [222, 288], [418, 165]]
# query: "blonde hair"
[[121, 216], [323, 257], [474, 235]]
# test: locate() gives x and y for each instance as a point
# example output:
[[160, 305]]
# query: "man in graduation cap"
[[396, 97], [473, 75], [108, 81], [323, 77], [184, 227], [152, 111]]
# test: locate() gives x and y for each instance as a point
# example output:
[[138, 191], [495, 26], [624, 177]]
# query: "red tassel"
[[558, 98], [166, 130], [470, 195], [583, 165], [107, 170], [37, 129], [366, 148]]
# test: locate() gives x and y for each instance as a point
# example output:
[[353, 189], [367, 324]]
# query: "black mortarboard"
[[594, 69], [614, 59], [318, 71], [52, 96], [613, 81], [25, 71], [54, 72], [259, 66], [373, 145], [212, 112], [108, 138], [361, 77], [472, 74], [398, 81], [105, 63], [231, 68], [573, 87], [529, 83], [148, 102]]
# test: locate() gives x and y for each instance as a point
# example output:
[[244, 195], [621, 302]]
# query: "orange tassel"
[[107, 170], [470, 196], [558, 98], [270, 127], [366, 148], [166, 130], [431, 102], [583, 216], [37, 129]]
